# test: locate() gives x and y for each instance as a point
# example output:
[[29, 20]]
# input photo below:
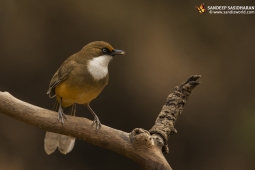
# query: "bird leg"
[[73, 109], [96, 119], [61, 114]]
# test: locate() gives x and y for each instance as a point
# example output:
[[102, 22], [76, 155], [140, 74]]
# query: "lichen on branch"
[[164, 125]]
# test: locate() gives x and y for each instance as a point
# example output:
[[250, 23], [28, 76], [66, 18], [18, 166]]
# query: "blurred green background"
[[165, 42]]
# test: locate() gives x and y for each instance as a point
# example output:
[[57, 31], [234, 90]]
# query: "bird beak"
[[117, 52]]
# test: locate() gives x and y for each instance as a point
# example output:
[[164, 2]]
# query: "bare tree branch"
[[142, 146]]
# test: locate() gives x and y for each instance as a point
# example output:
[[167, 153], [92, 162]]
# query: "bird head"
[[98, 54], [101, 48]]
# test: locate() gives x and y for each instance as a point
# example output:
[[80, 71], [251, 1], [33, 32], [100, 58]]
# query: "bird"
[[79, 80]]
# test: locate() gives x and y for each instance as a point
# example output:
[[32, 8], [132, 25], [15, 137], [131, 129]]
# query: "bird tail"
[[64, 143], [52, 141]]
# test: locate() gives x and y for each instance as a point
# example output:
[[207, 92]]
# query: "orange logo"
[[201, 8]]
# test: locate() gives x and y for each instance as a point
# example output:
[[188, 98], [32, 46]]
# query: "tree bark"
[[144, 147]]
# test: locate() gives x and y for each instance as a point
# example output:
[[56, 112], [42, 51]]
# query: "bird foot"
[[61, 115], [97, 122]]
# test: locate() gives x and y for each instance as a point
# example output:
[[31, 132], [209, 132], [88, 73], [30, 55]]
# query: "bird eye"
[[105, 50]]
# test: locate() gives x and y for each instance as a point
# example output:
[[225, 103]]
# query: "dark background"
[[165, 42]]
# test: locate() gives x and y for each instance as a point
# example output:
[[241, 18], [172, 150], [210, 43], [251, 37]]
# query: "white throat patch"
[[98, 66]]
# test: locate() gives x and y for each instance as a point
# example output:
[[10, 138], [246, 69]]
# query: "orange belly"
[[75, 94]]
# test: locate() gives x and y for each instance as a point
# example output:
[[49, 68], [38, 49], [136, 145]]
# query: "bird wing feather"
[[61, 74]]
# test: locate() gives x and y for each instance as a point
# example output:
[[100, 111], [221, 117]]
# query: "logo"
[[201, 8]]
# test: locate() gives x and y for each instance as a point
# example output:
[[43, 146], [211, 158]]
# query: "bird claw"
[[96, 119], [61, 115], [97, 122]]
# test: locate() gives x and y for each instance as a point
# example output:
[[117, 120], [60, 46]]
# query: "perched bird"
[[79, 80]]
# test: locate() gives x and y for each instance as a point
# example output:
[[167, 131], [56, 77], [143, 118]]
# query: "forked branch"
[[145, 147]]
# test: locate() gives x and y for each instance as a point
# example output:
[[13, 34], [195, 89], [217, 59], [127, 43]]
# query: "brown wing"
[[61, 74]]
